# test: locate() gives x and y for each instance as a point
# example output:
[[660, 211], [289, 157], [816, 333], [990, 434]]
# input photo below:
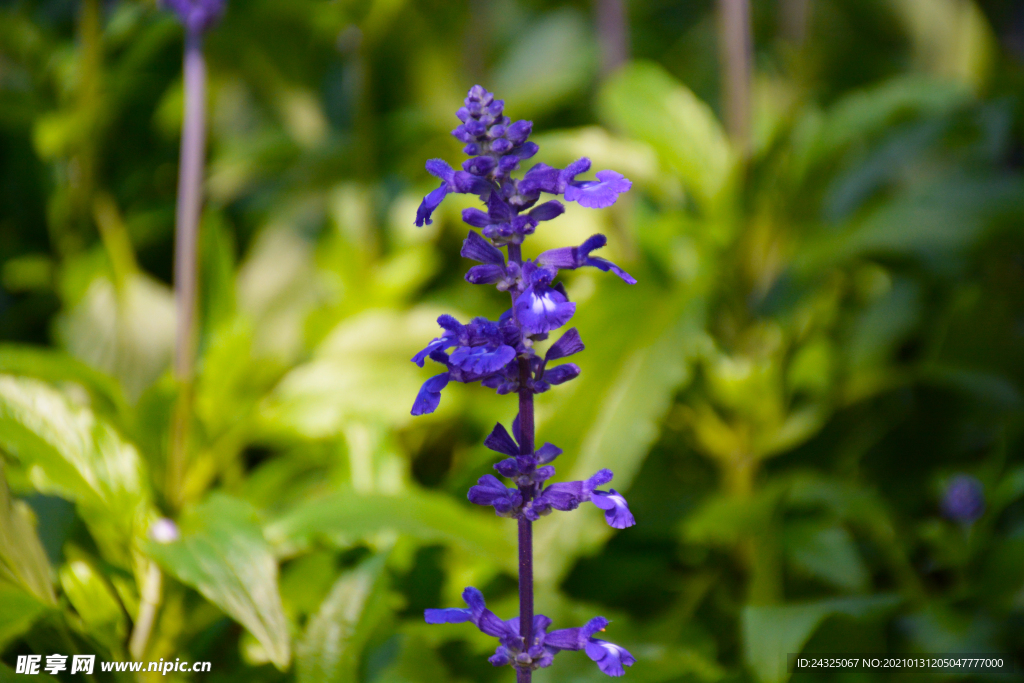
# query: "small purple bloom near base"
[[500, 355]]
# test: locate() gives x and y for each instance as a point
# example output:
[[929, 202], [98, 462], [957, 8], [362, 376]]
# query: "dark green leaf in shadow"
[[770, 632], [18, 611]]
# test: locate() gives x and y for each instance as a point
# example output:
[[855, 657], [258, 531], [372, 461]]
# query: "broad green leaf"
[[357, 372], [332, 646], [552, 61], [70, 452], [18, 611], [223, 555], [770, 632], [827, 553], [23, 560], [345, 517], [127, 332], [650, 105], [56, 366]]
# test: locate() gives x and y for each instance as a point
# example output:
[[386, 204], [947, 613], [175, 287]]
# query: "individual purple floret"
[[197, 15], [502, 355], [964, 500], [543, 646]]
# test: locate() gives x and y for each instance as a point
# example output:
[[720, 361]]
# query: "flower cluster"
[[541, 652], [500, 355]]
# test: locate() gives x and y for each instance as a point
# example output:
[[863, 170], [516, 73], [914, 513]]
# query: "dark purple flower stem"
[[190, 199], [526, 440]]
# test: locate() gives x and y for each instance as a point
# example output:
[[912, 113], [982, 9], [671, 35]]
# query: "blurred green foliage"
[[825, 331]]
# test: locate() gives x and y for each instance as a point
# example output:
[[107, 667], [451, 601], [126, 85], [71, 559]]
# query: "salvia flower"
[[543, 646], [964, 500], [501, 355]]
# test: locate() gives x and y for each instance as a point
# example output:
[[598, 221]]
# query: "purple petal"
[[547, 210], [610, 658], [547, 453], [430, 394], [616, 510], [542, 474], [429, 204], [541, 309], [491, 492], [467, 183], [500, 441], [600, 478], [481, 360], [485, 275], [440, 170], [498, 209], [450, 615], [476, 218], [516, 434], [570, 172], [562, 373], [439, 343], [501, 657], [605, 265], [542, 178], [507, 467], [563, 496], [479, 166], [519, 131], [569, 344], [600, 193], [477, 248], [575, 638]]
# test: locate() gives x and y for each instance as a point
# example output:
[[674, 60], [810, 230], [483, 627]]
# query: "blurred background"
[[812, 398]]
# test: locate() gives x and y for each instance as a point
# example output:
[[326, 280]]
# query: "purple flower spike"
[[501, 356], [610, 657]]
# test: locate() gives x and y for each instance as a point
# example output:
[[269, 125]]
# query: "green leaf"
[[827, 553], [864, 113], [552, 60], [7, 675], [332, 646], [222, 554], [55, 366], [18, 611], [650, 105], [610, 416], [70, 452], [770, 632], [344, 518], [23, 560], [94, 600]]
